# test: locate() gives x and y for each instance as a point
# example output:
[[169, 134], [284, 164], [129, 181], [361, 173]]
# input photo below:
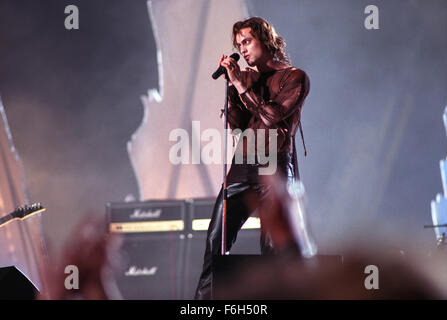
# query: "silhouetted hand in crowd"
[[322, 277], [280, 216], [93, 252], [273, 212]]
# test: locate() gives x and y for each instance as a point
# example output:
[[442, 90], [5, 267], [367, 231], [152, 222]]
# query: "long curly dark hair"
[[264, 32]]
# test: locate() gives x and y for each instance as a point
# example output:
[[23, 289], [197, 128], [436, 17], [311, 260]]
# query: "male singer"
[[269, 94]]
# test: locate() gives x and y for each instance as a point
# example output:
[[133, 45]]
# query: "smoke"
[[372, 120], [73, 100]]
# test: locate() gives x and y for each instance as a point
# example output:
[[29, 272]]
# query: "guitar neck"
[[22, 213], [6, 219]]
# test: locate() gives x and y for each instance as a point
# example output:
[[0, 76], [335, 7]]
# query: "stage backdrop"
[[188, 48], [21, 239]]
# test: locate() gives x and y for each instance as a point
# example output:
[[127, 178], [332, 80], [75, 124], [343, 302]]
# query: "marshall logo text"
[[139, 214], [134, 271]]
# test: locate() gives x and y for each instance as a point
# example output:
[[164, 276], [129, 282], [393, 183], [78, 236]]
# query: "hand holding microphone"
[[229, 67], [224, 63]]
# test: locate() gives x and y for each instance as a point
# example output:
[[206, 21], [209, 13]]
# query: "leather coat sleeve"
[[238, 116], [292, 92]]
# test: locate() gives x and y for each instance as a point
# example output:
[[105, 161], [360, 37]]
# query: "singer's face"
[[250, 48]]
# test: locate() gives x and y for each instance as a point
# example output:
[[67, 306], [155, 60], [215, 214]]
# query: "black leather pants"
[[237, 214]]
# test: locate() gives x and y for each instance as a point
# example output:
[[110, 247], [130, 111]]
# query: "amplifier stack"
[[164, 244]]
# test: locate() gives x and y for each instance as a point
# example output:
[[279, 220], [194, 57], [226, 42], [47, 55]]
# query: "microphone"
[[221, 70]]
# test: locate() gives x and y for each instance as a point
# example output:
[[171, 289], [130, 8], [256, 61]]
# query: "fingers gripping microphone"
[[221, 70]]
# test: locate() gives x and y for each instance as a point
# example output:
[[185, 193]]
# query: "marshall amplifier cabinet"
[[197, 220], [153, 247]]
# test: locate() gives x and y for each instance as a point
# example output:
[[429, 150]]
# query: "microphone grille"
[[235, 56]]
